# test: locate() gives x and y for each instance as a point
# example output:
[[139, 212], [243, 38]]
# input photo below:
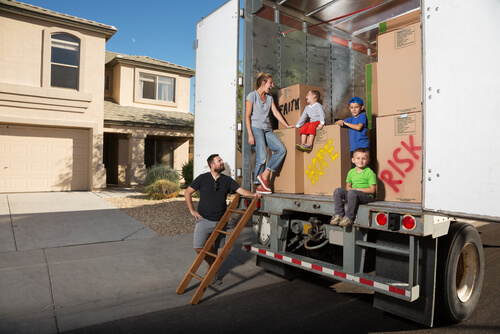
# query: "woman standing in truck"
[[260, 133]]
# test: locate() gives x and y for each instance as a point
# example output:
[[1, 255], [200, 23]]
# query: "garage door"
[[43, 159]]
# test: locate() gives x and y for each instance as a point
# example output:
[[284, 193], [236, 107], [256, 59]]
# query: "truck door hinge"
[[195, 44]]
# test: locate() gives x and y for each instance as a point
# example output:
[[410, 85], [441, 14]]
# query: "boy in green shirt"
[[360, 189]]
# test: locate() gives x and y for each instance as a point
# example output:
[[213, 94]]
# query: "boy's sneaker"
[[299, 147], [264, 183], [335, 220], [345, 222], [305, 147], [261, 190]]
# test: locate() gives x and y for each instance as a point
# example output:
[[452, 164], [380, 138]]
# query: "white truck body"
[[414, 270]]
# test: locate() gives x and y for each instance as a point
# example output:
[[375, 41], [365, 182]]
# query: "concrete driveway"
[[70, 259]]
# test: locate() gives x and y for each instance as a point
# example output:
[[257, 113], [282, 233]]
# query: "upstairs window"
[[155, 87], [65, 61]]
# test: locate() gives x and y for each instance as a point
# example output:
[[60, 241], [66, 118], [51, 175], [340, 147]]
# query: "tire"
[[460, 272]]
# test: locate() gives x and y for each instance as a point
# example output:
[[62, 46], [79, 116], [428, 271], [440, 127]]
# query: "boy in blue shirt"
[[357, 124], [360, 189]]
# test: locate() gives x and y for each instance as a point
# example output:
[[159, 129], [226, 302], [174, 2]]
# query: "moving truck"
[[427, 72]]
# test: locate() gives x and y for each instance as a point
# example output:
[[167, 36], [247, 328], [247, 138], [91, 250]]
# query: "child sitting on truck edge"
[[314, 110], [360, 189], [357, 124]]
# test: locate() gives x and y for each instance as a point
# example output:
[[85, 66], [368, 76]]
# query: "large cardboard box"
[[399, 22], [292, 101], [399, 157], [288, 178], [371, 94], [399, 71], [327, 164]]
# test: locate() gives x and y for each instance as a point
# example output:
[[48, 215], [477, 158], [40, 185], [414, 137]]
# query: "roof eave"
[[108, 31], [116, 60]]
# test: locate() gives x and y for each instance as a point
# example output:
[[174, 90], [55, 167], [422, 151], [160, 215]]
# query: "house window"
[[65, 61], [108, 81], [155, 87]]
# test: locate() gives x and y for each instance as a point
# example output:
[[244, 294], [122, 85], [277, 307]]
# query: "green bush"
[[162, 189], [187, 172], [161, 172]]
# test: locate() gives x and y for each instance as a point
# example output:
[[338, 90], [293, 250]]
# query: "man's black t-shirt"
[[213, 203]]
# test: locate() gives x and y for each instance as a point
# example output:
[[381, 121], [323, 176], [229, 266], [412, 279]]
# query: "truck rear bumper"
[[400, 290]]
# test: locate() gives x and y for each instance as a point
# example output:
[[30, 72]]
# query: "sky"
[[161, 29]]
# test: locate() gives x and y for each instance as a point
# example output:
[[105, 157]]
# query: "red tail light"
[[409, 223], [381, 219], [249, 200]]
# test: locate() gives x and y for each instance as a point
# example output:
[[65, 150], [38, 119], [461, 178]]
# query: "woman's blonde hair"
[[262, 77]]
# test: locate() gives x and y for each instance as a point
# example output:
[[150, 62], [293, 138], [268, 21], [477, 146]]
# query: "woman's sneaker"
[[264, 183], [261, 190]]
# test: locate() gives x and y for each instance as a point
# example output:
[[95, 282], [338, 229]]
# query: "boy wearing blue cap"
[[357, 124]]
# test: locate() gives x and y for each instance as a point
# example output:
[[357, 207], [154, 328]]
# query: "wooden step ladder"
[[205, 281]]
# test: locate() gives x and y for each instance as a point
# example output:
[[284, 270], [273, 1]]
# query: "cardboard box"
[[327, 164], [399, 71], [288, 178], [292, 102], [399, 22], [371, 100], [399, 157]]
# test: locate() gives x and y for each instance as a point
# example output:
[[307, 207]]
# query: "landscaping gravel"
[[165, 217]]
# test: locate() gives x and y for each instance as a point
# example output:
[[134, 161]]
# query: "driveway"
[[69, 260]]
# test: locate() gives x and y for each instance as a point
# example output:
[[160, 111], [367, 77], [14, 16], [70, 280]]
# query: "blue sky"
[[161, 29]]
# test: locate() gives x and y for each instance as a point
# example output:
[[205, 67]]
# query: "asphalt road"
[[312, 304]]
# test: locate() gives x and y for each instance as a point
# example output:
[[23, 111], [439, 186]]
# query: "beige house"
[[146, 116], [62, 123]]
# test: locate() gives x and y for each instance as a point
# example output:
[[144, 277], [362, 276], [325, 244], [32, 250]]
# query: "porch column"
[[137, 168]]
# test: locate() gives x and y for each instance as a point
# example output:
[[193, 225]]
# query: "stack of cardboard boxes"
[[319, 171], [399, 121], [393, 105]]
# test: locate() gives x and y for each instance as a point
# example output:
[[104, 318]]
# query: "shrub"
[[187, 172], [161, 172], [162, 189]]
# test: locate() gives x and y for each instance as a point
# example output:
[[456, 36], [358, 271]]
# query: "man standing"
[[213, 187]]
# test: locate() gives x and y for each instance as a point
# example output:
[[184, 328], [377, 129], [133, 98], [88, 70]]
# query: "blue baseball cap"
[[355, 100]]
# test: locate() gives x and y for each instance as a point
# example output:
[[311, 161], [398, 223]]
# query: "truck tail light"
[[381, 219], [249, 200], [409, 223]]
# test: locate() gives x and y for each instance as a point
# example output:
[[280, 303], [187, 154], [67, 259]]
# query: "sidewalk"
[[70, 260]]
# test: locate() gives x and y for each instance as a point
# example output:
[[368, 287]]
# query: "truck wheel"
[[460, 272]]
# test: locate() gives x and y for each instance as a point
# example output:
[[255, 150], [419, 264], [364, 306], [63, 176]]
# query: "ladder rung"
[[237, 211], [225, 232], [211, 254], [198, 277]]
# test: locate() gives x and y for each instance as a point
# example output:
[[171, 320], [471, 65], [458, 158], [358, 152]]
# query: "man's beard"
[[220, 170]]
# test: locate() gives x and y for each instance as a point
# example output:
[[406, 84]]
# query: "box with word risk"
[[399, 157], [288, 178], [327, 164]]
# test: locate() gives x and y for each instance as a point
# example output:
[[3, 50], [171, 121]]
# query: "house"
[[146, 116], [72, 115]]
